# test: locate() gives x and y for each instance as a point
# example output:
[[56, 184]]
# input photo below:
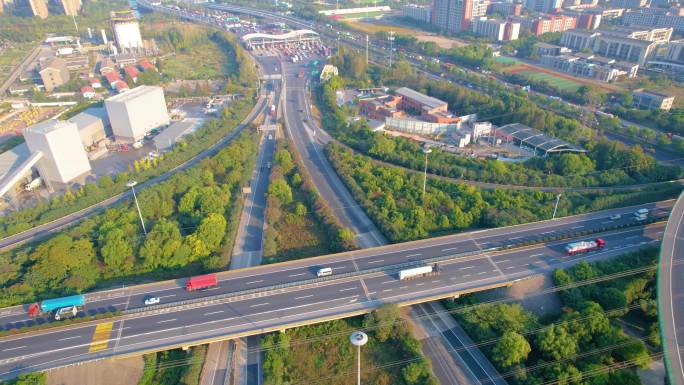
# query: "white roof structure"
[[300, 34]]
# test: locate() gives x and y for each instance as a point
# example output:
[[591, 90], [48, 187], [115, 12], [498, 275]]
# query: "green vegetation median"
[[299, 222], [392, 197]]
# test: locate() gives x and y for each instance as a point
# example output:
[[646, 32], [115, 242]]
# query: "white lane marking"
[[347, 289], [167, 296], [414, 255], [119, 304], [576, 227], [68, 338], [467, 275], [536, 255], [420, 284], [296, 275], [378, 261], [382, 283], [260, 304], [467, 267], [510, 267], [503, 260], [482, 272], [403, 287], [251, 282], [633, 236], [548, 232], [14, 348], [451, 248], [386, 290], [214, 312], [167, 320], [606, 222], [514, 238], [304, 296], [372, 292]]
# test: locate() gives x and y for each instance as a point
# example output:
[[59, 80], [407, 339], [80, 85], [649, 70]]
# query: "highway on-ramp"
[[670, 290], [275, 308]]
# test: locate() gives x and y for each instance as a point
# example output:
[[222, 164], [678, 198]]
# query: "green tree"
[[211, 230], [281, 190], [117, 252], [160, 245], [382, 320], [556, 343], [510, 350]]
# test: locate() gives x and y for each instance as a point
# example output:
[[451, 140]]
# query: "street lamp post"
[[358, 339], [555, 208], [132, 184], [426, 151], [391, 40]]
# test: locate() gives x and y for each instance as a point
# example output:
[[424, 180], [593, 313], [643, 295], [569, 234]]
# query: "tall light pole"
[[358, 339], [555, 208], [426, 151], [391, 40], [366, 49], [132, 184]]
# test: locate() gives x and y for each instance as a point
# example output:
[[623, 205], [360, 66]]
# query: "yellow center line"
[[101, 337]]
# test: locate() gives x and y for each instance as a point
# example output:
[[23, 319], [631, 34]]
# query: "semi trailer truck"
[[419, 272], [584, 246], [55, 305], [201, 282]]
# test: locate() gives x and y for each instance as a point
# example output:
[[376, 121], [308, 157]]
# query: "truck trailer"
[[419, 272], [584, 246], [200, 282], [55, 304]]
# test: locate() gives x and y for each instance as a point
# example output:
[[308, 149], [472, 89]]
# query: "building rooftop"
[[89, 116], [654, 93], [52, 62], [534, 138], [12, 158], [425, 100], [133, 94], [47, 126], [541, 44], [171, 134]]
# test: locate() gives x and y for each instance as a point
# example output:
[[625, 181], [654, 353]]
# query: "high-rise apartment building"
[[37, 7], [455, 15], [66, 7], [126, 30], [545, 6], [498, 30]]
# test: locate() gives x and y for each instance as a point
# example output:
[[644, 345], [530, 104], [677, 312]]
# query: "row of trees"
[[300, 223], [666, 121], [306, 354], [393, 198], [190, 217], [577, 346]]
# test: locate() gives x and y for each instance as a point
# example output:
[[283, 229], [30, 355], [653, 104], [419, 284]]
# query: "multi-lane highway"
[[277, 308], [670, 290]]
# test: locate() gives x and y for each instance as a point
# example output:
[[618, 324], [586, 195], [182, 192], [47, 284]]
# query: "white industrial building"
[[63, 158], [91, 125], [135, 113], [126, 30]]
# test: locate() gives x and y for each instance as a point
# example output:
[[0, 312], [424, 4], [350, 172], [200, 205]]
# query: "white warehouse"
[[64, 160], [135, 113]]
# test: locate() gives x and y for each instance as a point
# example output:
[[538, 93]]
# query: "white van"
[[324, 272]]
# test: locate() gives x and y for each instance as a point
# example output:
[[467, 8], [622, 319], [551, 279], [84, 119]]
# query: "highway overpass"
[[274, 297], [670, 290]]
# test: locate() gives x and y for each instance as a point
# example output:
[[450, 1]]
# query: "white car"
[[151, 301], [615, 217]]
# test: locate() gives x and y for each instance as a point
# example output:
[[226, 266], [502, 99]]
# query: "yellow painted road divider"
[[101, 337]]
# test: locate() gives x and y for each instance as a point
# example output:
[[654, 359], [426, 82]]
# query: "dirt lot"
[[108, 372]]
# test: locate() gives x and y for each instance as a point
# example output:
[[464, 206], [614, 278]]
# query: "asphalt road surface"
[[670, 290], [274, 309]]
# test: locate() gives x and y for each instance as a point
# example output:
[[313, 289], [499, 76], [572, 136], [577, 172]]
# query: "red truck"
[[200, 282], [301, 74], [584, 246]]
